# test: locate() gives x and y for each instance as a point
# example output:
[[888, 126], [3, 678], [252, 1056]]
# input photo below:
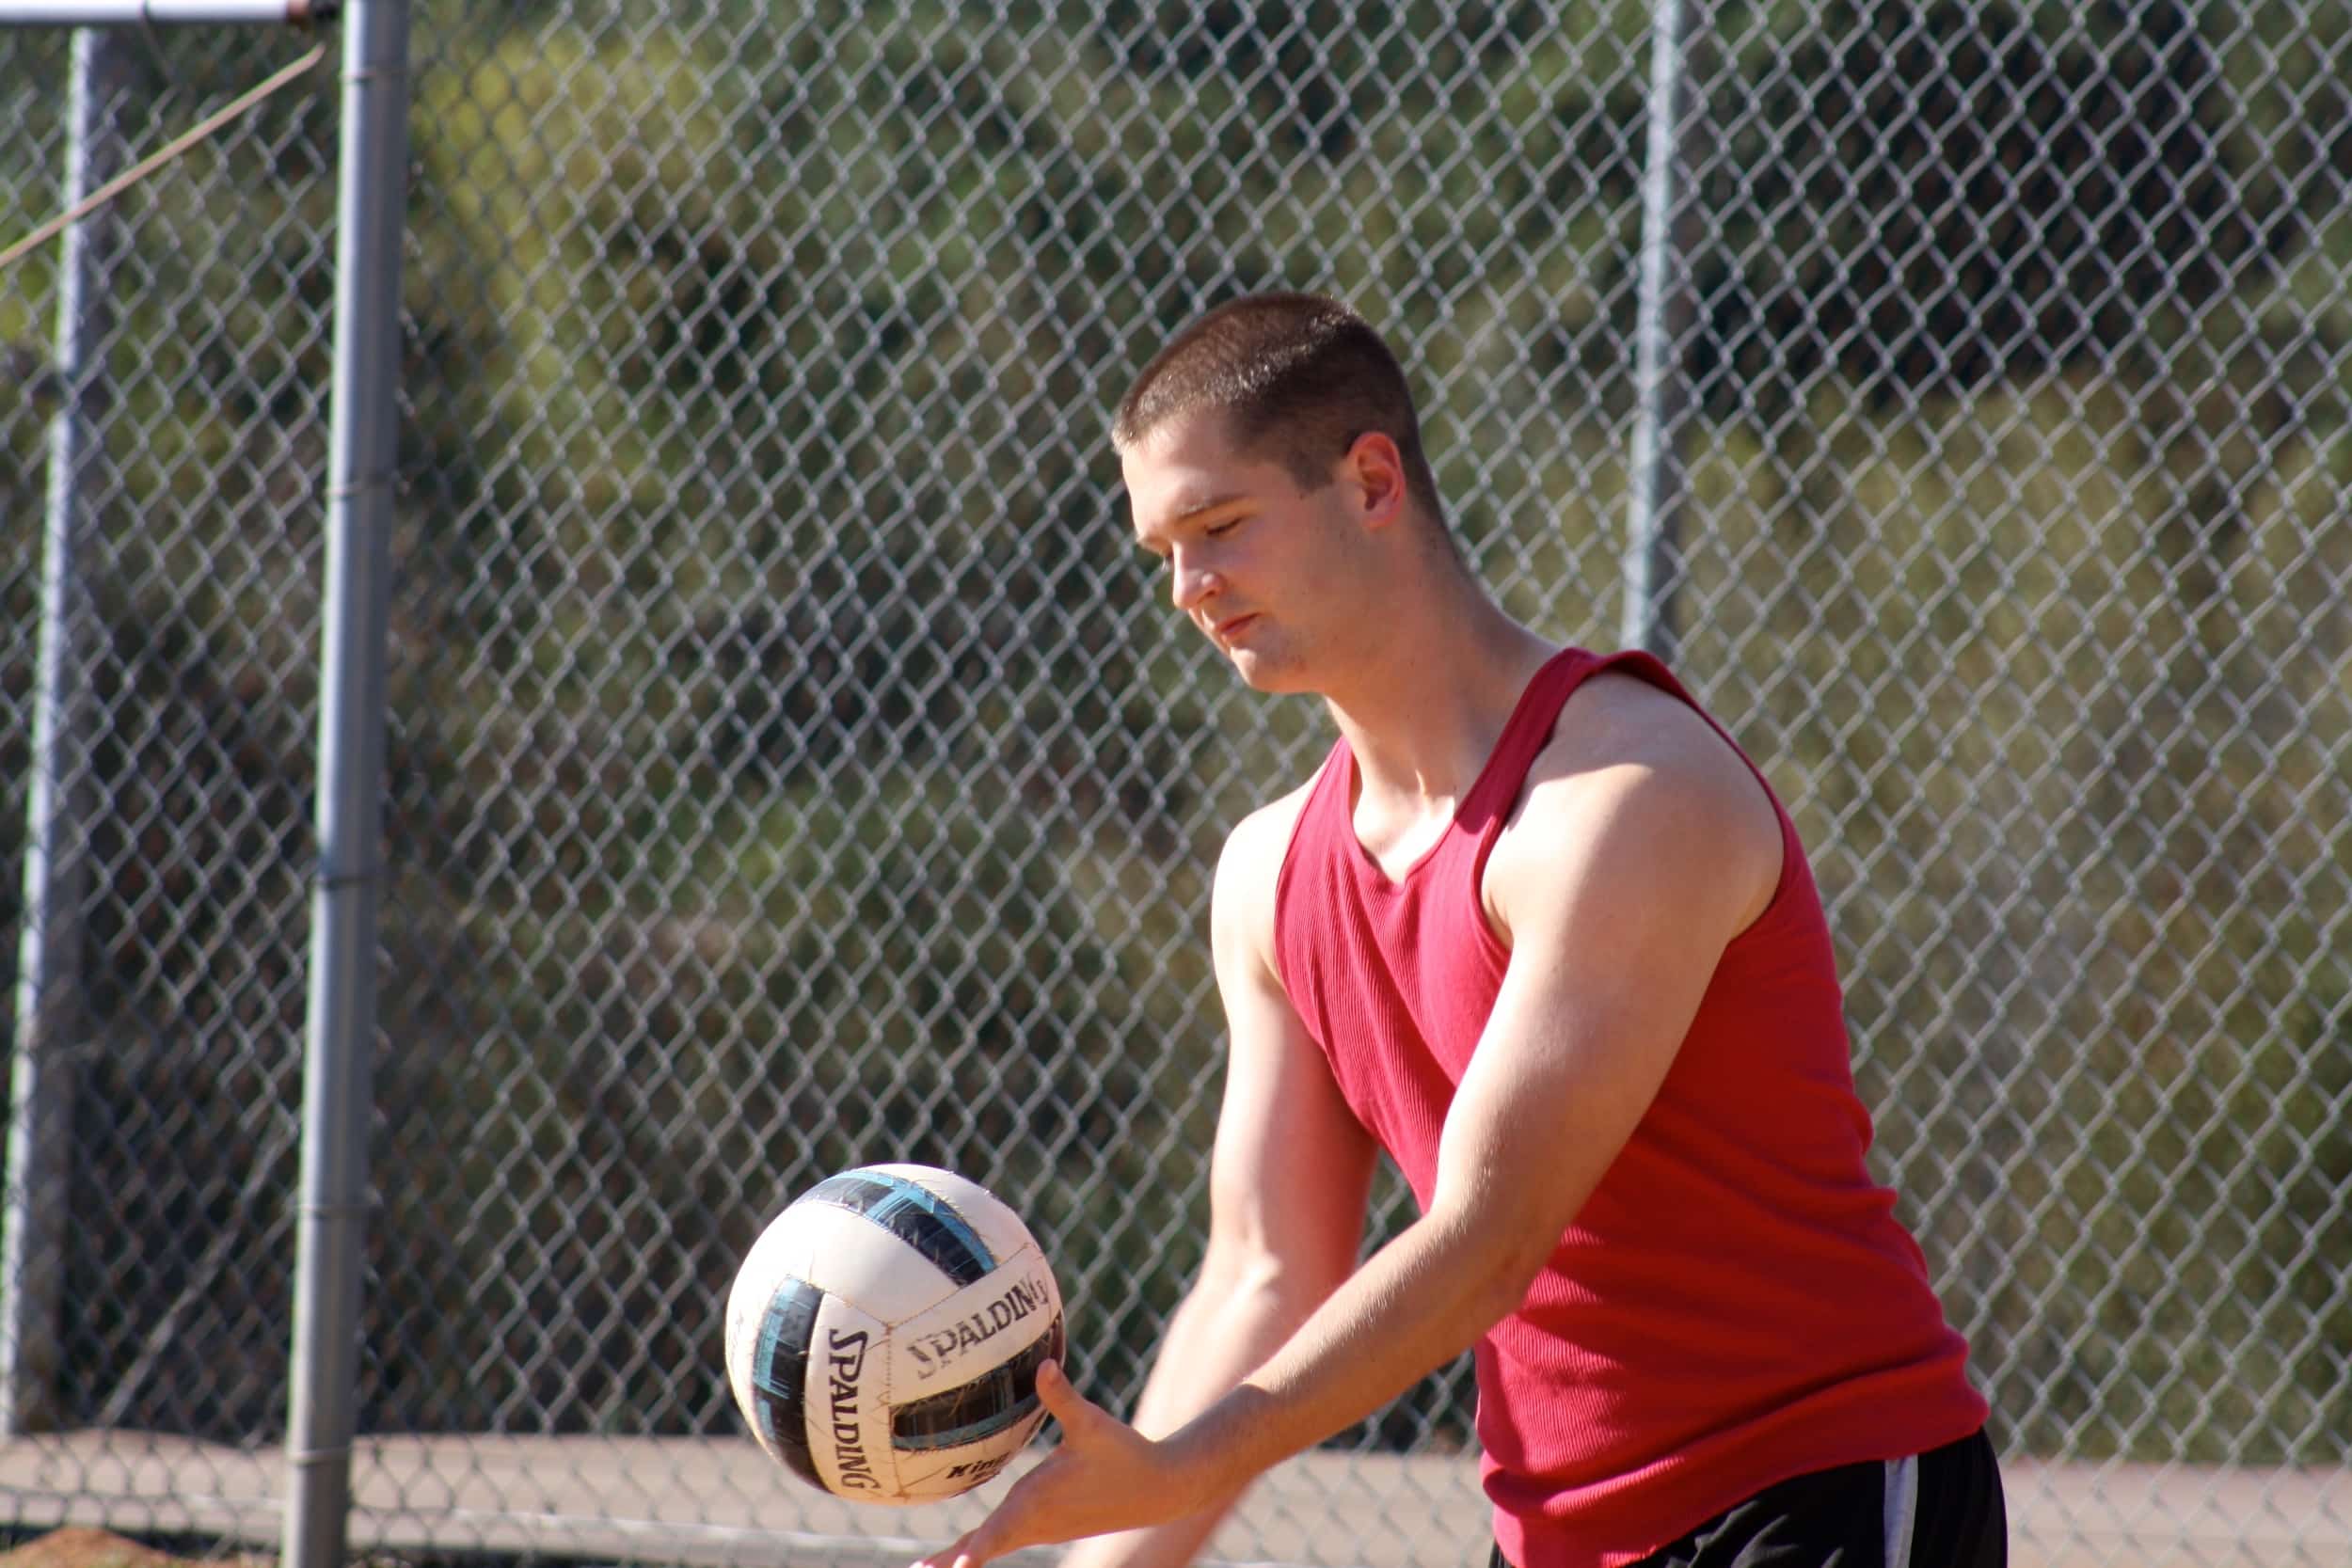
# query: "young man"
[[1538, 930]]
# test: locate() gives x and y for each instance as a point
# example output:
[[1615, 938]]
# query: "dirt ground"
[[77, 1547]]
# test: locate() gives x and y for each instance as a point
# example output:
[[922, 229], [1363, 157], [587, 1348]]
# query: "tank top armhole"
[[1290, 856], [1523, 739], [1489, 940]]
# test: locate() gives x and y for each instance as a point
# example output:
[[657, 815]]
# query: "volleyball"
[[884, 1332]]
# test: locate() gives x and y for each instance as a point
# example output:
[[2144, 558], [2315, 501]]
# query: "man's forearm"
[[1220, 1334], [1420, 1302]]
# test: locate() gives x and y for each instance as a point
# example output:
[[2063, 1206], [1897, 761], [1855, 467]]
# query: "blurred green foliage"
[[790, 768]]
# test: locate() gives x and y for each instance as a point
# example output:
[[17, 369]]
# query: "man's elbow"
[[1500, 1256]]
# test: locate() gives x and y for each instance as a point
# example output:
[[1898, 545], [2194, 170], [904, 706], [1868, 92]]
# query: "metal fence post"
[[32, 1234], [323, 1403], [1665, 316]]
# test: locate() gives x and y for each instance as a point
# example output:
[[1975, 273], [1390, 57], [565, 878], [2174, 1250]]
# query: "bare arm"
[[1288, 1182]]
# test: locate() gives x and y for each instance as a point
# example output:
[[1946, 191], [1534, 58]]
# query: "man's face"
[[1251, 558]]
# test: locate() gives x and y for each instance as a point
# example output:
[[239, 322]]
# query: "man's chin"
[[1275, 677]]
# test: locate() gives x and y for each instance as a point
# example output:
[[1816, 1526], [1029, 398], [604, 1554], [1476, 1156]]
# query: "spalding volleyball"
[[884, 1333]]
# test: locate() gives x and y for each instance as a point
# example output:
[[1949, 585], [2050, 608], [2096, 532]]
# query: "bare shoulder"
[[1635, 762], [1615, 717], [1265, 833], [1242, 905]]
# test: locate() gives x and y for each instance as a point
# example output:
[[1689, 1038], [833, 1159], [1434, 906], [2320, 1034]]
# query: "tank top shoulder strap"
[[1324, 813], [1527, 732]]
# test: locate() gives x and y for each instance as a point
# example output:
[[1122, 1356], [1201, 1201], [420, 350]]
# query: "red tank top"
[[1736, 1302]]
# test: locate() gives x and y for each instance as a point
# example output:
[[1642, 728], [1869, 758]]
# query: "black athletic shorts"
[[1942, 1510]]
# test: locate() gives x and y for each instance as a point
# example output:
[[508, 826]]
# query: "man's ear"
[[1375, 471]]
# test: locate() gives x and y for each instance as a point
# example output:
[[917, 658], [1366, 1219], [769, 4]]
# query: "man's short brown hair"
[[1297, 378]]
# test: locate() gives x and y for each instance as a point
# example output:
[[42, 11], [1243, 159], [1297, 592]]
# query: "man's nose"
[[1192, 583]]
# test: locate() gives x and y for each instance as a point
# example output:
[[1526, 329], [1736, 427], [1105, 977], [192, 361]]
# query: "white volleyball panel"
[[843, 1253], [847, 1405]]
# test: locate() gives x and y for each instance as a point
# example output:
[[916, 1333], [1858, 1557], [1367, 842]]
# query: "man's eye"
[[1218, 530]]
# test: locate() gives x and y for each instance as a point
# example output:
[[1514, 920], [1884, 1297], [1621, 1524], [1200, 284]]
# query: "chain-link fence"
[[792, 767]]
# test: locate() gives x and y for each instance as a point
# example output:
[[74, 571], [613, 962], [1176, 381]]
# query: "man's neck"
[[1426, 711]]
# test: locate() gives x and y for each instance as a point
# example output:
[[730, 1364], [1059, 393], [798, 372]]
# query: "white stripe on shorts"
[[1902, 1504]]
